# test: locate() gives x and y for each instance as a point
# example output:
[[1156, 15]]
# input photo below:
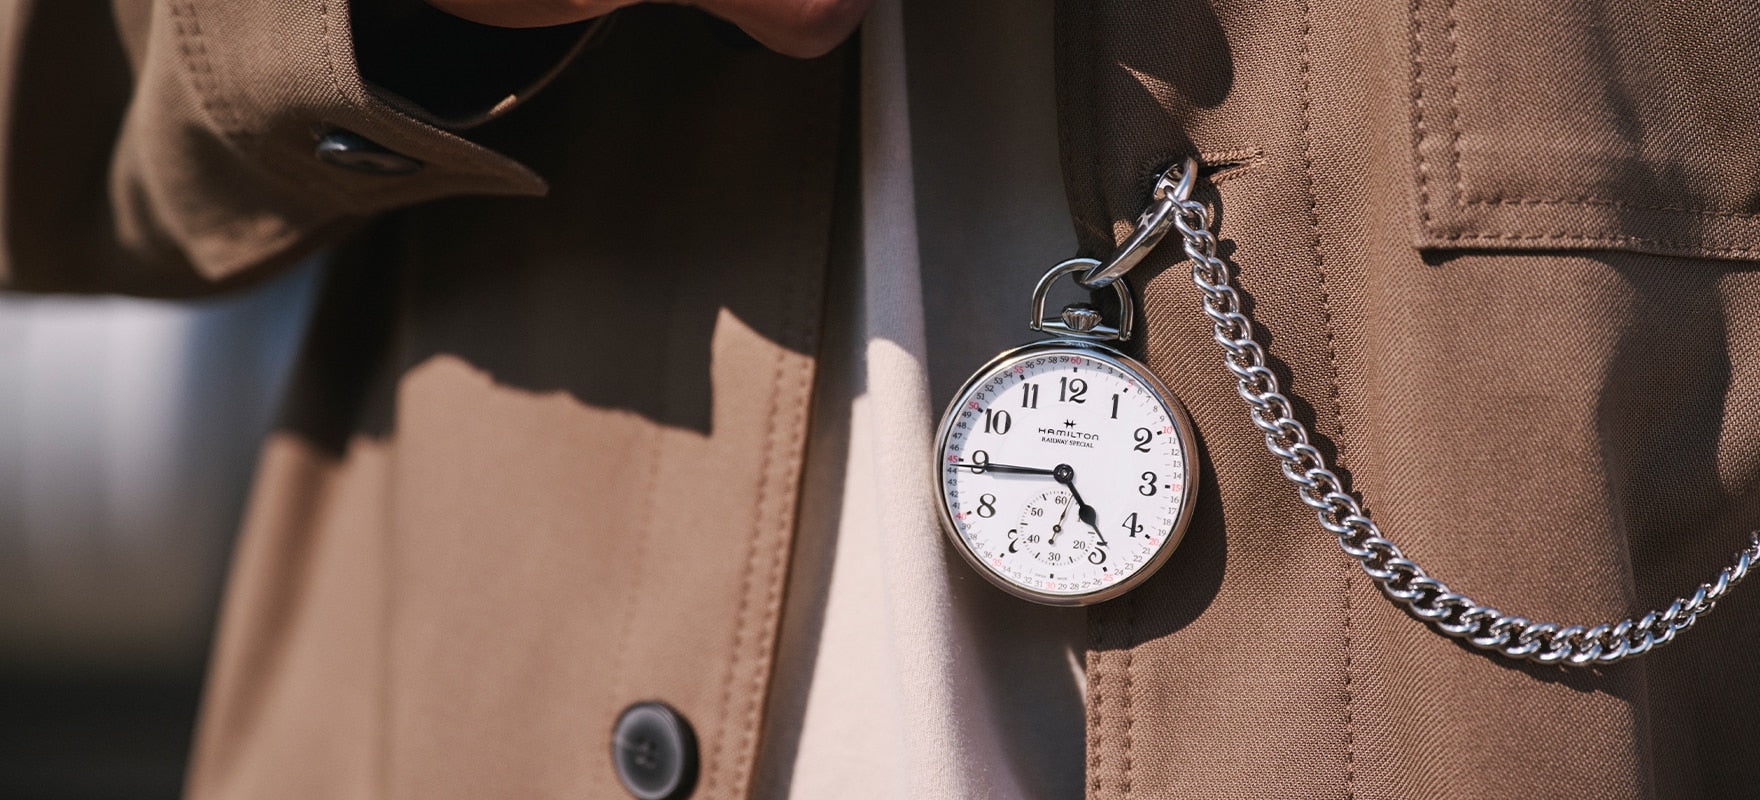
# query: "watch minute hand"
[[991, 465]]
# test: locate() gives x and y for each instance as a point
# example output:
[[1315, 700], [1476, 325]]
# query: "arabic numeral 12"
[[1070, 390]]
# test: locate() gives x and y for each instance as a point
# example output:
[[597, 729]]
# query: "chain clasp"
[[1173, 188]]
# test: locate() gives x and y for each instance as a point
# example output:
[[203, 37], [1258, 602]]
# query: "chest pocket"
[[1604, 124]]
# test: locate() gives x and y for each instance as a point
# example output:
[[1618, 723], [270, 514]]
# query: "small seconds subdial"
[[1052, 531], [1066, 472]]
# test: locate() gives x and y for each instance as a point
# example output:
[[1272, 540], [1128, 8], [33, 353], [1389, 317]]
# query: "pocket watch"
[[1065, 470]]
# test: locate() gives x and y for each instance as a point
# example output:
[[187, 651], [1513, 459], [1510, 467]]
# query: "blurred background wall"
[[128, 434]]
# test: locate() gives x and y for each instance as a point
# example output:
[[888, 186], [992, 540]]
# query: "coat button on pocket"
[[353, 151], [654, 752]]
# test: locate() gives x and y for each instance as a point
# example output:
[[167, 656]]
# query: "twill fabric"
[[545, 452]]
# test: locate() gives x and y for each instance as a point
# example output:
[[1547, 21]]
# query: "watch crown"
[[1080, 317]]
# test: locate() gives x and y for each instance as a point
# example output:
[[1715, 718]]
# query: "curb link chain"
[[1402, 579]]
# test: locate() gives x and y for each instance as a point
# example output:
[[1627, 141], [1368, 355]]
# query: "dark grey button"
[[654, 752], [353, 151]]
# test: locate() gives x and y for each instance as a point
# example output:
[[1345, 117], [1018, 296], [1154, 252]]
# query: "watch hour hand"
[[1088, 516]]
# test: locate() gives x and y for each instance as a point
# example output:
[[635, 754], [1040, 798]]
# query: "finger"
[[528, 13], [799, 28]]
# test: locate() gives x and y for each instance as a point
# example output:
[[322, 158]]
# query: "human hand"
[[799, 28]]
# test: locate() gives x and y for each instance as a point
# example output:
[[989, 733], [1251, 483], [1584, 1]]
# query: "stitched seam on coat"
[[793, 433], [792, 318], [330, 52], [1575, 238], [1097, 708], [199, 65], [1130, 712], [339, 191], [800, 326], [1598, 202], [1450, 28], [1420, 129], [753, 553], [1307, 135], [770, 612]]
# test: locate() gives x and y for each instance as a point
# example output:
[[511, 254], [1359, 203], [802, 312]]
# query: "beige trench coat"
[[1496, 252]]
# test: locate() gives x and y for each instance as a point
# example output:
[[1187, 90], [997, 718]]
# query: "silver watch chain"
[[1425, 597]]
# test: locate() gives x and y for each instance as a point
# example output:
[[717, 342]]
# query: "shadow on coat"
[[609, 289]]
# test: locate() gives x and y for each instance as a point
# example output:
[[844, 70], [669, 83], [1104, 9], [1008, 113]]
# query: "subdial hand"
[[1066, 475], [1057, 527]]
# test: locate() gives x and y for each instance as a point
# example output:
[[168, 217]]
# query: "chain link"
[[1339, 513]]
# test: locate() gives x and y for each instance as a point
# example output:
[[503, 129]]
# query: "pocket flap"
[[1597, 124]]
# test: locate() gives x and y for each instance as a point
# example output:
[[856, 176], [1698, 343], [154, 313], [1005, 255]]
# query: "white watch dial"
[[1066, 472]]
